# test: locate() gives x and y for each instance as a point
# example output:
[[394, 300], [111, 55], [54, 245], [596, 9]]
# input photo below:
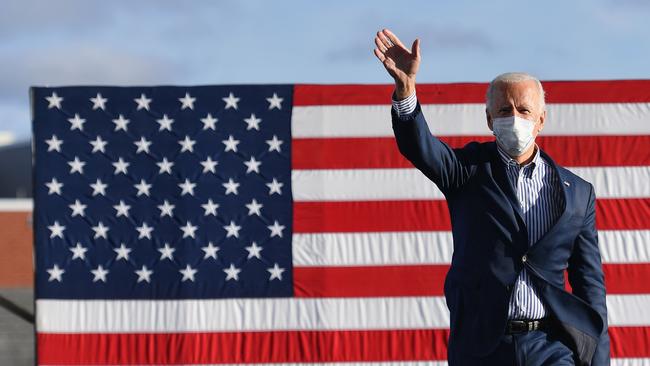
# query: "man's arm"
[[586, 276], [435, 159]]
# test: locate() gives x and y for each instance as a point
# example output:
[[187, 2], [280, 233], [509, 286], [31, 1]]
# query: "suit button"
[[524, 259]]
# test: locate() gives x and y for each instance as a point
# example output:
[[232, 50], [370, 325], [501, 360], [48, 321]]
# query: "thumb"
[[415, 48]]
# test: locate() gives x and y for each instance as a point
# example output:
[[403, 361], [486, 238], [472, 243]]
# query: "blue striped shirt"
[[540, 197], [541, 201]]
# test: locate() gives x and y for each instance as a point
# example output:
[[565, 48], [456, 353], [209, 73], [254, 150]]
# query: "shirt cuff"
[[405, 106]]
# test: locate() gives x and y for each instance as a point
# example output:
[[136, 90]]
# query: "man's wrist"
[[404, 89]]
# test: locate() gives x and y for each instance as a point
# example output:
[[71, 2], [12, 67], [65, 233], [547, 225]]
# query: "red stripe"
[[432, 215], [428, 280], [382, 152], [370, 281], [605, 91], [243, 347], [281, 346]]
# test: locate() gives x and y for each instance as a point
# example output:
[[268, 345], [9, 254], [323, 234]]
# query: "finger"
[[392, 37], [415, 49], [380, 45], [384, 40], [379, 55]]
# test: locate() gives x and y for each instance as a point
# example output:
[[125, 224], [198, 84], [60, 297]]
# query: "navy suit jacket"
[[491, 248]]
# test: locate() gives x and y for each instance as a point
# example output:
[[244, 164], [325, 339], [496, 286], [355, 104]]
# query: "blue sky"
[[218, 42]]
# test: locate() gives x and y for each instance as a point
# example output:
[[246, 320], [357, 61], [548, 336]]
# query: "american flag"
[[279, 223]]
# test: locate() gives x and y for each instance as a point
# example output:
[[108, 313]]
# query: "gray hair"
[[512, 78]]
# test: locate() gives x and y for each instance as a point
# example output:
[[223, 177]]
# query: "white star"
[[187, 187], [187, 144], [78, 252], [77, 208], [143, 145], [100, 274], [76, 166], [144, 274], [55, 273], [99, 144], [253, 165], [99, 102], [188, 230], [121, 166], [208, 165], [232, 229], [274, 144], [187, 101], [76, 123], [144, 231], [122, 252], [120, 123], [254, 208], [188, 273], [208, 122], [232, 273], [122, 209], [252, 122], [276, 229], [167, 252], [275, 102], [275, 187], [99, 188], [231, 186], [166, 209], [143, 188], [231, 101], [210, 251], [143, 102], [165, 166], [210, 208], [254, 251], [165, 123], [56, 230], [54, 187], [276, 272], [54, 144], [231, 144], [100, 231], [54, 101]]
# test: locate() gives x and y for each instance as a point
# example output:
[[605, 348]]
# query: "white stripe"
[[469, 119], [119, 316], [614, 362], [15, 205], [432, 247], [240, 314], [624, 246], [630, 361], [628, 310], [372, 249], [409, 183]]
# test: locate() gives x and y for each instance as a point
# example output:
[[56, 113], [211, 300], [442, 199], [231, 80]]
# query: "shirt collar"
[[512, 162]]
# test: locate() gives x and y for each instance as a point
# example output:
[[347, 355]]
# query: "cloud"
[[81, 64], [449, 39]]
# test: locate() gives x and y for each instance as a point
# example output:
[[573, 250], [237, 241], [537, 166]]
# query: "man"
[[518, 221]]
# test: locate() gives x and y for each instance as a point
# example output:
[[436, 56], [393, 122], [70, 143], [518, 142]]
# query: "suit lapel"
[[566, 186], [501, 177]]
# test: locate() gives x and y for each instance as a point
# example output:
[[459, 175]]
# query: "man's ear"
[[489, 119], [542, 119]]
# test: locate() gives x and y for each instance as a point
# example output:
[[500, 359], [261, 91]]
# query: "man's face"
[[520, 99]]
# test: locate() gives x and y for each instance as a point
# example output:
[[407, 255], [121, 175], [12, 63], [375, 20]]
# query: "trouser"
[[534, 348]]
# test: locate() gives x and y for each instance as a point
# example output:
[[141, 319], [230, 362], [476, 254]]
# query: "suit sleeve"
[[586, 276], [446, 167]]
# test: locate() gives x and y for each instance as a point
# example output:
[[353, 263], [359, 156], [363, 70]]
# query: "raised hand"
[[400, 63]]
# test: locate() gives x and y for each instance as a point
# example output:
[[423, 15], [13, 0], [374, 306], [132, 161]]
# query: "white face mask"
[[514, 134]]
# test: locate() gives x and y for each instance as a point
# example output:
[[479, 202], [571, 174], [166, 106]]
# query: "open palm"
[[402, 64]]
